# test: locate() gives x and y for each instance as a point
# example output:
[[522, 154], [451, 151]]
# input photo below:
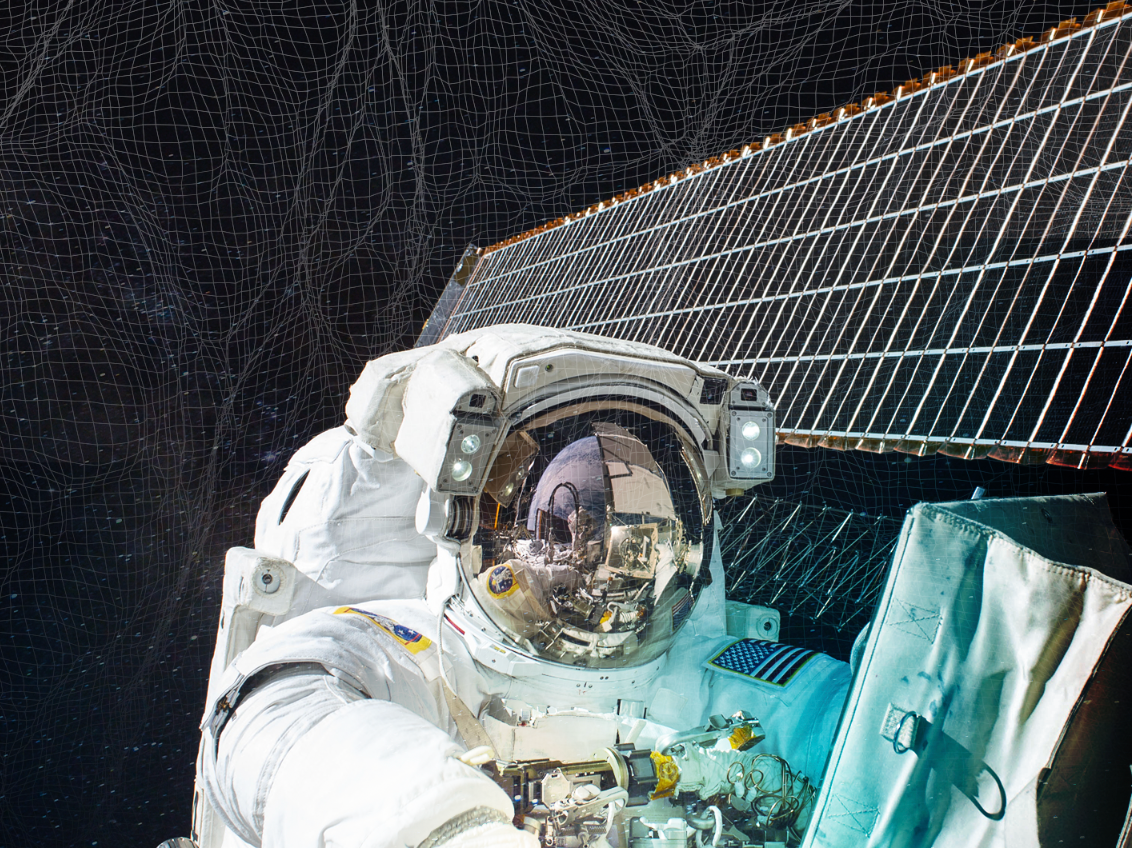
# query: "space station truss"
[[944, 267], [817, 562]]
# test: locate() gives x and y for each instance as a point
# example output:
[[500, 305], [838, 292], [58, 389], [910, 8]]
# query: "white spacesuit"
[[489, 611]]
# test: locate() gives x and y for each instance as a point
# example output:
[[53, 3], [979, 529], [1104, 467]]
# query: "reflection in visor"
[[511, 467], [601, 571], [570, 497], [635, 480]]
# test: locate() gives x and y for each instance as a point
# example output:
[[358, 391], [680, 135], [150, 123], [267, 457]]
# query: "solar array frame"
[[946, 269]]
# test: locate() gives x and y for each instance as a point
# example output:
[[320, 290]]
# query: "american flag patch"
[[769, 662]]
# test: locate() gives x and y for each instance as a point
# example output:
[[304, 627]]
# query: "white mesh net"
[[212, 214]]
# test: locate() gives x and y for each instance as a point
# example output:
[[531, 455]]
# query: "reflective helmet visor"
[[599, 559]]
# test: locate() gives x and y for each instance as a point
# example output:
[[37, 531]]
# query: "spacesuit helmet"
[[594, 536]]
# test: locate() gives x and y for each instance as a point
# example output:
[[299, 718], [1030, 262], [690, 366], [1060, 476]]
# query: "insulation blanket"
[[994, 616]]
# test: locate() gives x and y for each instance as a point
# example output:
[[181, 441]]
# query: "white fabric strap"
[[471, 731]]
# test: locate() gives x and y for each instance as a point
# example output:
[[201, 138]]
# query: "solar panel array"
[[942, 268]]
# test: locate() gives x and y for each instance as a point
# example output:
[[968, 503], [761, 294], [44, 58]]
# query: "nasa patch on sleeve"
[[768, 662], [409, 639], [501, 582]]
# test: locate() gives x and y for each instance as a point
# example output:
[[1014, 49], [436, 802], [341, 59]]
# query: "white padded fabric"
[[351, 526]]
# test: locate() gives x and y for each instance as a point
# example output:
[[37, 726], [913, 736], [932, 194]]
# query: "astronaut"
[[499, 618]]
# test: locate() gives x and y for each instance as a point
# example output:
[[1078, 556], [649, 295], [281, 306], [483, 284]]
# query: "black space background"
[[211, 214]]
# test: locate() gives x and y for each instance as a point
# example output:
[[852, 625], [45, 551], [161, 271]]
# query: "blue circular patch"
[[501, 581]]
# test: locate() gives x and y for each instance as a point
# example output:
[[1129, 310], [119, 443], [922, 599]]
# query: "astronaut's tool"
[[709, 782]]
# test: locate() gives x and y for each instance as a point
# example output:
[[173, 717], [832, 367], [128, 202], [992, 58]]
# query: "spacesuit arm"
[[311, 758]]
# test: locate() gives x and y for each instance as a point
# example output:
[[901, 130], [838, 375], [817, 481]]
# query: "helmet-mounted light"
[[452, 423], [750, 447]]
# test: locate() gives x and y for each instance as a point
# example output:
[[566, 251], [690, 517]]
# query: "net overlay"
[[944, 267]]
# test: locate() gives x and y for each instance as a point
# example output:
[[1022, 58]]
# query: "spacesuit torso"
[[504, 619], [388, 651], [292, 766]]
